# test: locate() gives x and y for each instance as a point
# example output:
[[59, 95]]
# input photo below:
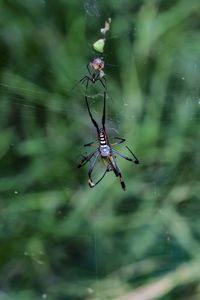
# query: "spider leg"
[[90, 182], [105, 82], [104, 111], [86, 159], [112, 165], [136, 161], [83, 79], [106, 170], [122, 182], [96, 77], [91, 117], [119, 174], [87, 84], [80, 81], [120, 141]]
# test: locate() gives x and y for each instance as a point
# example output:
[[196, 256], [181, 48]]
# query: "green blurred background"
[[59, 239]]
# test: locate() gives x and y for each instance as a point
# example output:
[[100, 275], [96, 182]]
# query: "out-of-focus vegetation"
[[59, 239]]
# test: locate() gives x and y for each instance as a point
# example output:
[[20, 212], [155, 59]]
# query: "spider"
[[97, 65], [104, 151]]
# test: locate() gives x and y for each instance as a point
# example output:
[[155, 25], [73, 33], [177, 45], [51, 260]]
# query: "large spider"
[[105, 151], [97, 65]]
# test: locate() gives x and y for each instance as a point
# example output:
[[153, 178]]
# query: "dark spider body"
[[104, 151], [97, 65]]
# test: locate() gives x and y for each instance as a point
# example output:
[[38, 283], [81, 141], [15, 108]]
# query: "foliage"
[[60, 239]]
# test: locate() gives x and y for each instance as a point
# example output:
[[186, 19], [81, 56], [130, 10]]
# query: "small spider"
[[104, 151], [97, 65]]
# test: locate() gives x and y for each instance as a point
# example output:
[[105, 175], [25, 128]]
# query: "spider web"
[[68, 103], [31, 98]]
